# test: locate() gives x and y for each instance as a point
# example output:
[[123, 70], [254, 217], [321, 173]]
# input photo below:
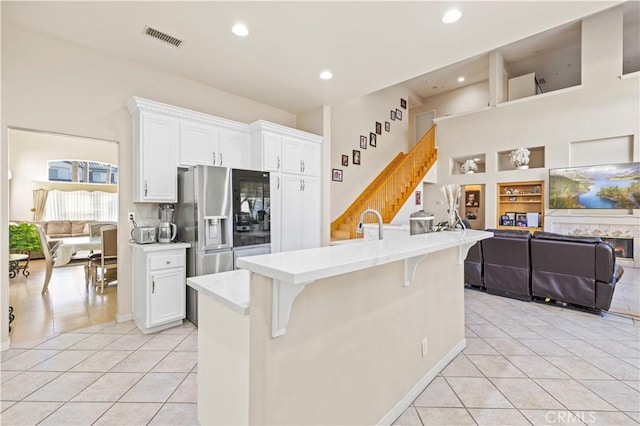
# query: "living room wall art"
[[372, 139], [363, 142]]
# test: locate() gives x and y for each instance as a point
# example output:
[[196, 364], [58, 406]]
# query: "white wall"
[[358, 117], [29, 153], [604, 107], [468, 98], [50, 85]]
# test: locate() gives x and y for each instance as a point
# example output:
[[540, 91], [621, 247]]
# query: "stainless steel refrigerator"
[[204, 218]]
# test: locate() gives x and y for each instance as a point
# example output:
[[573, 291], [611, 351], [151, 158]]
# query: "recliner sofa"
[[507, 264], [577, 270]]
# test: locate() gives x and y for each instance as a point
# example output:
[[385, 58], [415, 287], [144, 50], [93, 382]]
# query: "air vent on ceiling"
[[152, 32]]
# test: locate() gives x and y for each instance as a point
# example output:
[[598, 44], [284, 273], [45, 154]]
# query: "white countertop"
[[230, 288], [303, 266], [159, 247]]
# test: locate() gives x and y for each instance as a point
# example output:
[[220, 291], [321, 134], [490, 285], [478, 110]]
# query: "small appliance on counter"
[[144, 234], [167, 230]]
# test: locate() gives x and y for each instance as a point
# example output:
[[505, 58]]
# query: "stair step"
[[340, 235]]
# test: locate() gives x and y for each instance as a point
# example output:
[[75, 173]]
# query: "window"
[[81, 205], [83, 172]]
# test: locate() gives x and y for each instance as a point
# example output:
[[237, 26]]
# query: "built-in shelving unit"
[[522, 203]]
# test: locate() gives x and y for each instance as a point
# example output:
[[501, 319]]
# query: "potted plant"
[[469, 167], [519, 158], [24, 238]]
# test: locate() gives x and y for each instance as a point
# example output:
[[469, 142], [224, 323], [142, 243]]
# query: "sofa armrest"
[[605, 262]]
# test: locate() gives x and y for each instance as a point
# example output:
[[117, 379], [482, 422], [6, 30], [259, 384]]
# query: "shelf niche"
[[536, 159], [520, 198], [457, 162]]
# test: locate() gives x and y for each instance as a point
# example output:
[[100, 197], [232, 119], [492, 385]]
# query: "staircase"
[[390, 189]]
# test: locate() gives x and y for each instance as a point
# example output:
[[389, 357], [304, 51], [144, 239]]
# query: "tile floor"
[[525, 363]]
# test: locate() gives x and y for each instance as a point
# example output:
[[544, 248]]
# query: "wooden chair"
[[50, 256], [107, 258]]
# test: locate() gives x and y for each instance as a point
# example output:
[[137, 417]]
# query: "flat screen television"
[[610, 186]]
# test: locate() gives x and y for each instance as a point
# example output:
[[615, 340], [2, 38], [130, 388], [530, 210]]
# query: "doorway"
[[69, 303]]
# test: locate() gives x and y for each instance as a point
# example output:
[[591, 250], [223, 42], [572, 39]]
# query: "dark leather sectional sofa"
[[580, 271]]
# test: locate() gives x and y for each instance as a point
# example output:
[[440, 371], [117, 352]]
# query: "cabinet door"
[[275, 194], [158, 159], [310, 153], [291, 156], [271, 152], [166, 296], [198, 144], [290, 213], [234, 150], [310, 213]]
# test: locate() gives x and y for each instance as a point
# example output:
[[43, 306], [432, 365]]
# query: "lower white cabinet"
[[159, 285]]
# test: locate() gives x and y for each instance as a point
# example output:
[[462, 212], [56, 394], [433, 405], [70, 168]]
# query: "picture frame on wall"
[[403, 103], [387, 126], [378, 128], [472, 199], [336, 175], [372, 139], [356, 157], [399, 114], [392, 114], [363, 142], [345, 161]]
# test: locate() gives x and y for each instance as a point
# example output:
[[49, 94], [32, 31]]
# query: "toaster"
[[145, 234]]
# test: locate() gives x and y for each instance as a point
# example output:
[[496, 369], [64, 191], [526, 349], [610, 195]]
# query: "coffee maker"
[[167, 230]]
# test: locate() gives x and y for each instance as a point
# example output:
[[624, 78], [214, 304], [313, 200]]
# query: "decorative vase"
[[523, 167], [470, 172]]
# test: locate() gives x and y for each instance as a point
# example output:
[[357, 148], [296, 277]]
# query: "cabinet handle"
[[278, 167], [304, 185], [278, 183], [221, 159], [153, 286], [214, 158], [168, 262], [146, 188], [301, 166], [304, 166]]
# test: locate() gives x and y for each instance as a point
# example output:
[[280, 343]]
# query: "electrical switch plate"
[[425, 346]]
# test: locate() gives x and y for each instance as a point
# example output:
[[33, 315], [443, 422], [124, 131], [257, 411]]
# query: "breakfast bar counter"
[[347, 334]]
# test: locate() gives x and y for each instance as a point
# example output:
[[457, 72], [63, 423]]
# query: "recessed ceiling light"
[[326, 75], [460, 79], [451, 16], [240, 30]]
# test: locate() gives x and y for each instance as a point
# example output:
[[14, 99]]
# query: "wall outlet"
[[131, 216], [425, 346]]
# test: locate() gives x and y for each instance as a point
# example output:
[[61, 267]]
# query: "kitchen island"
[[347, 334]]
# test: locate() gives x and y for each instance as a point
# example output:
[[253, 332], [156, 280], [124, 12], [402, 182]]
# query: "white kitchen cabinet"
[[300, 213], [234, 149], [293, 159], [159, 285], [202, 143], [154, 157], [198, 144], [300, 157]]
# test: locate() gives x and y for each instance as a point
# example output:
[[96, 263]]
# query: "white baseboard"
[[6, 344], [406, 401], [124, 317]]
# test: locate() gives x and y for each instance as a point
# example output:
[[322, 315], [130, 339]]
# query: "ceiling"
[[367, 45]]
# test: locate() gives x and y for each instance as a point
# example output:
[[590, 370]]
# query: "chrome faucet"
[[360, 228]]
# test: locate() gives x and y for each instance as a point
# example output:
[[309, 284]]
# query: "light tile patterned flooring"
[[525, 363]]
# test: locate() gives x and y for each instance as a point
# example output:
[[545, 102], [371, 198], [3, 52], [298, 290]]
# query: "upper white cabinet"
[[234, 149], [154, 154], [198, 144], [283, 149]]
